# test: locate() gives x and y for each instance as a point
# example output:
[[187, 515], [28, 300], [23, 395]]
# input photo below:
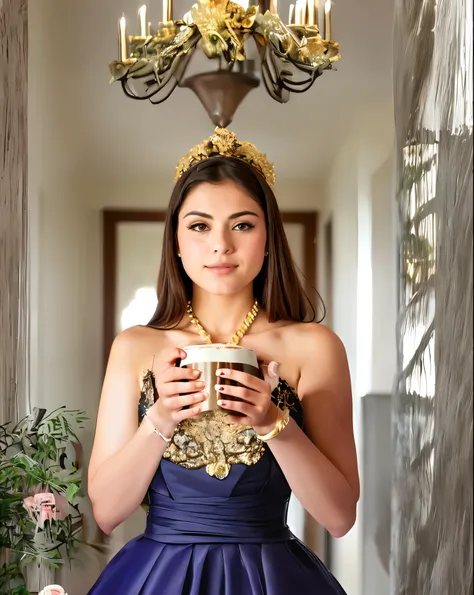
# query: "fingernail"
[[221, 372], [219, 387], [200, 383], [221, 403], [196, 373]]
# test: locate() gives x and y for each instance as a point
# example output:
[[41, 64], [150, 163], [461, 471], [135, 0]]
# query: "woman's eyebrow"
[[207, 216]]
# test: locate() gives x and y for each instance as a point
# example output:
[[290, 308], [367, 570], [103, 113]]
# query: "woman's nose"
[[222, 242]]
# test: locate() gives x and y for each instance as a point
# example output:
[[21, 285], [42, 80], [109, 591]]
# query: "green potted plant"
[[40, 488]]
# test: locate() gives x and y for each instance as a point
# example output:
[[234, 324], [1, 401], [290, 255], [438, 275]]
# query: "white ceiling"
[[105, 131]]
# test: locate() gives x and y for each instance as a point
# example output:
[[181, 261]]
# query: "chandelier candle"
[[291, 15], [311, 12], [142, 19], [167, 11], [123, 39], [327, 20]]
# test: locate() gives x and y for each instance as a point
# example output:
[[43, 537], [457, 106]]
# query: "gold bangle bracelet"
[[279, 426], [156, 431]]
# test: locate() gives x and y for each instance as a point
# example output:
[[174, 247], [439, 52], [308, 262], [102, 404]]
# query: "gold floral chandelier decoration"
[[292, 56]]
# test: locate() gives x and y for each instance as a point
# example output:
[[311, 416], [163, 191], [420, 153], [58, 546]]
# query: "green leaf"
[[71, 492]]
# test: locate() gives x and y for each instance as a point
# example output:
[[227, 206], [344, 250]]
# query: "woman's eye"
[[243, 226], [198, 227]]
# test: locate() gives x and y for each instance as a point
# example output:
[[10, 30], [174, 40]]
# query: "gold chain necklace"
[[244, 327]]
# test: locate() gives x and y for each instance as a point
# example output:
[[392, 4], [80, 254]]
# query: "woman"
[[225, 259]]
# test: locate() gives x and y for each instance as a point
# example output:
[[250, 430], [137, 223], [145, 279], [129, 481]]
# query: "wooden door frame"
[[111, 218]]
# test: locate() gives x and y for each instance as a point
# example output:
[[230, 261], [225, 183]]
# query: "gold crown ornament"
[[225, 143]]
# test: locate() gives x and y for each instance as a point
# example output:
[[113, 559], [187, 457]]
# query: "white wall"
[[359, 198]]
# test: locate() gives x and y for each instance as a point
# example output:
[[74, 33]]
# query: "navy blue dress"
[[214, 532]]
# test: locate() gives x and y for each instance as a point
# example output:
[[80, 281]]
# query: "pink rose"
[[46, 506]]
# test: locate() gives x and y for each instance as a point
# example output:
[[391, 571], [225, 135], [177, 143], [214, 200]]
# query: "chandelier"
[[292, 56]]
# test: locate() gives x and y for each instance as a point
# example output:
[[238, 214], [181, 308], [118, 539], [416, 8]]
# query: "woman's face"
[[221, 237]]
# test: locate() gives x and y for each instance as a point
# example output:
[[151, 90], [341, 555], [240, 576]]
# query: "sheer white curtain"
[[432, 510]]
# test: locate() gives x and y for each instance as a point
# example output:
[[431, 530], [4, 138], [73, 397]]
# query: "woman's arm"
[[123, 459], [320, 464]]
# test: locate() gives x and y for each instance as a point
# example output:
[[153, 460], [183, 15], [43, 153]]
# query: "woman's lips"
[[221, 269]]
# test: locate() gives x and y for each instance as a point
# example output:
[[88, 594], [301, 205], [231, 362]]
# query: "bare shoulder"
[[313, 338], [320, 353], [139, 343]]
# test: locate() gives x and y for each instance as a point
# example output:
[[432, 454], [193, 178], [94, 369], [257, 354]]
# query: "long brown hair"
[[277, 287]]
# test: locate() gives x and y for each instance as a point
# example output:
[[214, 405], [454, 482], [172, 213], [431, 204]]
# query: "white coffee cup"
[[209, 358]]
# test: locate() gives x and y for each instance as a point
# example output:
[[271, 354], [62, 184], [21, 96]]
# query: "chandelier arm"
[[171, 87], [270, 75], [293, 88], [129, 93], [182, 65], [298, 86], [160, 79], [171, 74], [273, 90], [281, 77], [307, 68], [302, 66], [151, 81]]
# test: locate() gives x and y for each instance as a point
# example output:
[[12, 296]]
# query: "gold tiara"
[[225, 143]]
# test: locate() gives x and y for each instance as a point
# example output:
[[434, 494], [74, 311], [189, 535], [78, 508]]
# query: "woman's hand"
[[255, 404], [177, 388]]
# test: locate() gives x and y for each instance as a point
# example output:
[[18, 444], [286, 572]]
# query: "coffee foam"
[[219, 352]]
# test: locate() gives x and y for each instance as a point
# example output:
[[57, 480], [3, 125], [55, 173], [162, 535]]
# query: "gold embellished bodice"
[[209, 440]]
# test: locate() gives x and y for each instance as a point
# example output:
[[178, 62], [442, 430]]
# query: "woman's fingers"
[[173, 373], [241, 392], [177, 403], [248, 380], [171, 356], [242, 407], [172, 389], [179, 416]]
